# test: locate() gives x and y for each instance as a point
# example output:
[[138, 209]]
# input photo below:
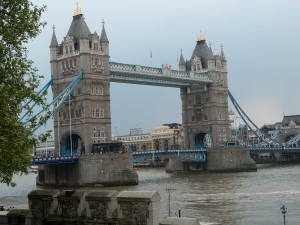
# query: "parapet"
[[87, 207], [94, 206]]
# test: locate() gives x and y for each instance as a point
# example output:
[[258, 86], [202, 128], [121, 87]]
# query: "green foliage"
[[19, 22]]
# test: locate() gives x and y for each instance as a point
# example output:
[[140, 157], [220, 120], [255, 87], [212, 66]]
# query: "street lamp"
[[283, 211], [170, 190]]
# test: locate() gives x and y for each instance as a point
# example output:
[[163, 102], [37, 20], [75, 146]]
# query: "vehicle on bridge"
[[108, 147]]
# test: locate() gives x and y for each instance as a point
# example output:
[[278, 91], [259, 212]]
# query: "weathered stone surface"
[[109, 169], [41, 204], [177, 164], [17, 216], [101, 205], [179, 220], [139, 207], [230, 159], [86, 207]]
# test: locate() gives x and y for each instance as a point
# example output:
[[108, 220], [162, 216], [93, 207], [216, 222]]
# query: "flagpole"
[[70, 124], [151, 57]]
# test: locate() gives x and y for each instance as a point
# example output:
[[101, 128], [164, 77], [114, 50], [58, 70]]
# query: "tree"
[[19, 22]]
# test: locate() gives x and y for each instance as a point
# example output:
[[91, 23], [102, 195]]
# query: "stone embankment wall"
[[94, 207], [86, 207], [110, 169]]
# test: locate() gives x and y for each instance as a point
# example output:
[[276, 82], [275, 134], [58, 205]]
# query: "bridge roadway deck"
[[195, 154], [257, 150]]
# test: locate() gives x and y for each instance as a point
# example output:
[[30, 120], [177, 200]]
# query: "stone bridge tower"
[[205, 107], [85, 119]]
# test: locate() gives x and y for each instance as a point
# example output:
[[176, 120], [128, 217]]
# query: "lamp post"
[[169, 190], [283, 211]]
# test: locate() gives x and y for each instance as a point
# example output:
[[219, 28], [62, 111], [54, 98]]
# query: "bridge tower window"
[[101, 89], [222, 134], [98, 134], [208, 140], [98, 113]]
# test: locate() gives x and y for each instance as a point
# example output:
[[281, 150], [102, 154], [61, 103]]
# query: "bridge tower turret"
[[104, 40], [182, 64], [54, 50], [85, 119], [205, 107]]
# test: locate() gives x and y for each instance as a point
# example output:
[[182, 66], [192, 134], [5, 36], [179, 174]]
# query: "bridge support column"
[[233, 159]]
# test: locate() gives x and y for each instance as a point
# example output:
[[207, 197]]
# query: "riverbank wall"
[[85, 207]]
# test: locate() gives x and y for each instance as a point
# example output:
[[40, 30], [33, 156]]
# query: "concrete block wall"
[[101, 205], [93, 206], [87, 207], [139, 207], [41, 205]]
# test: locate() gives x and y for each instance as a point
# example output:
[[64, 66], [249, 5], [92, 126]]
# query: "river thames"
[[226, 198]]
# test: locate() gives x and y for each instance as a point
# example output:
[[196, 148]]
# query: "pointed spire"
[[103, 37], [222, 55], [210, 53], [181, 60], [54, 42], [85, 31]]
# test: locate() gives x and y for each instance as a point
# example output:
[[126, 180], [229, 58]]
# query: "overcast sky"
[[260, 39]]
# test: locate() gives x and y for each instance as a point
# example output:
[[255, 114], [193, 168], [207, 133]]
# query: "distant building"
[[136, 140], [290, 121], [167, 136], [164, 137], [282, 131], [44, 149]]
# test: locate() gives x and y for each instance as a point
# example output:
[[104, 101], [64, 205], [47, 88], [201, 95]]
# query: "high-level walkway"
[[165, 76]]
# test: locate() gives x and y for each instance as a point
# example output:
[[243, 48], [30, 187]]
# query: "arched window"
[[194, 68], [101, 89], [67, 50]]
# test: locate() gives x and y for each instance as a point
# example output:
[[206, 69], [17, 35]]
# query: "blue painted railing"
[[195, 154]]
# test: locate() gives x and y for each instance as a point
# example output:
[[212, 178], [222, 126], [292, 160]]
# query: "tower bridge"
[[202, 81], [86, 120]]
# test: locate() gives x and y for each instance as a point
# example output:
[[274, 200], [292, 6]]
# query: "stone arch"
[[71, 144], [202, 139]]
